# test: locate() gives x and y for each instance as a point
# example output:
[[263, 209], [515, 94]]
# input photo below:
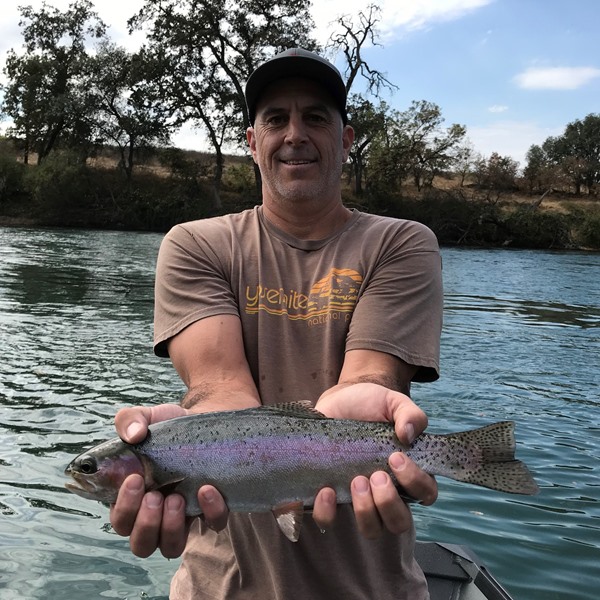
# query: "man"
[[300, 298]]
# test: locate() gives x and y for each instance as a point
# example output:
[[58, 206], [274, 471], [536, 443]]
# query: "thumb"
[[132, 423]]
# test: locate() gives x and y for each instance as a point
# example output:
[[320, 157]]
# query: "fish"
[[276, 458]]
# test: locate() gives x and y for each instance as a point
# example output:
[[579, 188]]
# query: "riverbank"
[[96, 195], [519, 228]]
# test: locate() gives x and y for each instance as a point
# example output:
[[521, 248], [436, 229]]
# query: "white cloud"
[[498, 108], [556, 78], [510, 138], [396, 16]]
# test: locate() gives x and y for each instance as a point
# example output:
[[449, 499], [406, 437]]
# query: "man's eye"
[[276, 120]]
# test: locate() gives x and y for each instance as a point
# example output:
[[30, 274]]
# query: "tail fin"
[[486, 457]]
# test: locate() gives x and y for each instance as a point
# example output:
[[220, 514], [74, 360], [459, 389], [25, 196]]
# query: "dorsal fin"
[[289, 518], [303, 409]]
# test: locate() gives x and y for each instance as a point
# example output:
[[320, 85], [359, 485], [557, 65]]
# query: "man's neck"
[[307, 224]]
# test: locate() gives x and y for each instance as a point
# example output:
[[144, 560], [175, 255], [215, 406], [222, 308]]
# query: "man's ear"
[[347, 140], [251, 138]]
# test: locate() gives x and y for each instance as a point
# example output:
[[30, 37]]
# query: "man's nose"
[[296, 130]]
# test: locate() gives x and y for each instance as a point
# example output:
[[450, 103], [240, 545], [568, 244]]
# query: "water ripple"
[[519, 343]]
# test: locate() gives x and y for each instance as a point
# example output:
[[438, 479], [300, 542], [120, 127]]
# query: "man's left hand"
[[376, 501]]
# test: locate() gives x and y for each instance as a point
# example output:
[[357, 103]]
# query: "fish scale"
[[277, 458]]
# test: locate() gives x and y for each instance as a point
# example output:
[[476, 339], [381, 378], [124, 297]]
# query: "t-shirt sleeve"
[[399, 310], [192, 282]]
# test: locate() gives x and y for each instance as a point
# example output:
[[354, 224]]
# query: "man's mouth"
[[295, 162]]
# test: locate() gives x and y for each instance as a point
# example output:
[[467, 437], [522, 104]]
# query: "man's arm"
[[363, 392], [373, 386], [209, 357]]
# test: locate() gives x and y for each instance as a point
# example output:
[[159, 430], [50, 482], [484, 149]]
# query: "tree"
[[126, 110], [351, 40], [412, 143], [431, 149], [497, 173], [576, 153], [45, 97], [464, 160], [537, 172], [388, 163], [365, 118], [212, 47], [367, 121]]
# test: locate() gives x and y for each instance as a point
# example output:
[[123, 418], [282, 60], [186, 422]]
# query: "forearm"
[[209, 357], [365, 366]]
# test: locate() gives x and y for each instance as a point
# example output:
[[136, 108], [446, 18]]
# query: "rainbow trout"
[[276, 458]]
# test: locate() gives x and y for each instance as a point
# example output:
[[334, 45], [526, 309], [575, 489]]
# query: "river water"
[[521, 341]]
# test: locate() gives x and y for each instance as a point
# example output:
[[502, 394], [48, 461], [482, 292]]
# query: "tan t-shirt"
[[374, 284]]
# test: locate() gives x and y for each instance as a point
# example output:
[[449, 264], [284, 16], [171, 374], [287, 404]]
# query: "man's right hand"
[[149, 519]]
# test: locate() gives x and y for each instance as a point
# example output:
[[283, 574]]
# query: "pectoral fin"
[[289, 518]]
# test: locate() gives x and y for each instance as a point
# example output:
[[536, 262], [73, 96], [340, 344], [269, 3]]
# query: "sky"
[[514, 72]]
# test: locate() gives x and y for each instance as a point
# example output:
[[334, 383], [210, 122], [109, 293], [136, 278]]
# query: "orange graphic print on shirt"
[[329, 298]]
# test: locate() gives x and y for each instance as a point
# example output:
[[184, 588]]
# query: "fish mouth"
[[87, 488], [83, 490]]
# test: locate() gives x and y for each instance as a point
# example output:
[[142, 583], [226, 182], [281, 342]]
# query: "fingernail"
[[329, 497], [379, 479], [397, 461], [208, 496], [153, 500], [361, 485], [174, 503], [134, 430], [409, 430], [135, 485]]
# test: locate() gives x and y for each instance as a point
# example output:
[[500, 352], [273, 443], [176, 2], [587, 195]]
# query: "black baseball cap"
[[296, 62]]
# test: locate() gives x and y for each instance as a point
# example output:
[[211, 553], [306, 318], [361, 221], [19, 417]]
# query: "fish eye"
[[88, 465]]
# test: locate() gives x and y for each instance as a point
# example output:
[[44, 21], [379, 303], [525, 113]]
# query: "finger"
[[173, 533], [325, 508], [393, 512], [367, 517], [213, 507], [124, 512], [132, 423], [416, 483], [146, 532], [409, 421]]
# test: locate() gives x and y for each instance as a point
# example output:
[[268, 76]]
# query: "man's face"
[[299, 142]]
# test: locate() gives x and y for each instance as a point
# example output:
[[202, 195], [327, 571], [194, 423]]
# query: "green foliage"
[[239, 178], [46, 94], [59, 186], [125, 110], [210, 48], [570, 161], [140, 208], [530, 228], [412, 143], [368, 121], [496, 173], [11, 174], [587, 227]]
